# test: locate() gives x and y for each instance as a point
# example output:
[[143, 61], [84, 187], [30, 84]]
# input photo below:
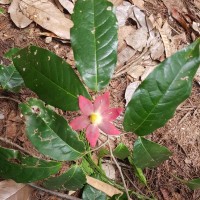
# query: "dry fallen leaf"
[[9, 190], [123, 32], [197, 3], [17, 16], [104, 187], [2, 116], [116, 2], [68, 5], [137, 39], [125, 55], [5, 1], [47, 15], [139, 4], [109, 170], [123, 12], [130, 90], [197, 76], [136, 71]]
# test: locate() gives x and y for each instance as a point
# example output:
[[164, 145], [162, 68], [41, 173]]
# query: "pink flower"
[[96, 116]]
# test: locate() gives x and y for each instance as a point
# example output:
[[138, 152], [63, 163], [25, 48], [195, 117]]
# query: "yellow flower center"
[[95, 118]]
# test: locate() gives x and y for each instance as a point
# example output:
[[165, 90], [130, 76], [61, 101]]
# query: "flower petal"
[[85, 105], [101, 103], [80, 122], [108, 128], [111, 114], [92, 134]]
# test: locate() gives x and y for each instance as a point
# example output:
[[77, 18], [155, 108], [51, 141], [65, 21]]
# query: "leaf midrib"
[[65, 91], [159, 100], [54, 131]]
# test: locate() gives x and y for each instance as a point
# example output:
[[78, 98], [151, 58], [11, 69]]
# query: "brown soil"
[[181, 134]]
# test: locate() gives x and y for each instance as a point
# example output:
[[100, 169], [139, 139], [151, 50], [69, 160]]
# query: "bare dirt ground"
[[181, 134]]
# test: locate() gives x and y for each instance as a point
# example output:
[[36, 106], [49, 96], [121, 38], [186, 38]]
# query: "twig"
[[58, 194], [98, 147], [120, 171], [15, 145], [120, 163], [12, 99]]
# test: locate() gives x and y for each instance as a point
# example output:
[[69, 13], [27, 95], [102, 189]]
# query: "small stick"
[[58, 194], [16, 145], [120, 171], [12, 99]]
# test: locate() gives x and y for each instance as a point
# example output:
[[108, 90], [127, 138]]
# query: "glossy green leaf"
[[11, 52], [50, 133], [121, 151], [50, 77], [156, 99], [73, 179], [10, 78], [90, 193], [94, 41], [149, 154], [194, 184], [138, 171], [24, 169]]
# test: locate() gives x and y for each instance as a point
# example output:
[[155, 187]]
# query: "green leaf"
[[119, 197], [94, 41], [50, 133], [121, 151], [2, 11], [156, 99], [149, 154], [90, 193], [10, 78], [9, 54], [24, 169], [73, 179], [138, 171], [102, 152], [50, 77], [85, 166], [194, 184]]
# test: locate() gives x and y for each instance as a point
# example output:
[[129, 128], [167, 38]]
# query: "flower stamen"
[[95, 118]]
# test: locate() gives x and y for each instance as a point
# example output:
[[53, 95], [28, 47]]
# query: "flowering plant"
[[55, 82], [95, 117]]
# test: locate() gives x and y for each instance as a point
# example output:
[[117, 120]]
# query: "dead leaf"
[[137, 39], [178, 5], [123, 33], [17, 16], [165, 33], [197, 77], [2, 116], [47, 15], [125, 55], [139, 4], [179, 18], [123, 12], [109, 170], [5, 1], [140, 17], [9, 190], [130, 90], [136, 71], [68, 5], [104, 187], [197, 3], [116, 2]]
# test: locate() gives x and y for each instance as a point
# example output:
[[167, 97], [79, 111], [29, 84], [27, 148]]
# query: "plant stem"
[[64, 196], [120, 171]]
